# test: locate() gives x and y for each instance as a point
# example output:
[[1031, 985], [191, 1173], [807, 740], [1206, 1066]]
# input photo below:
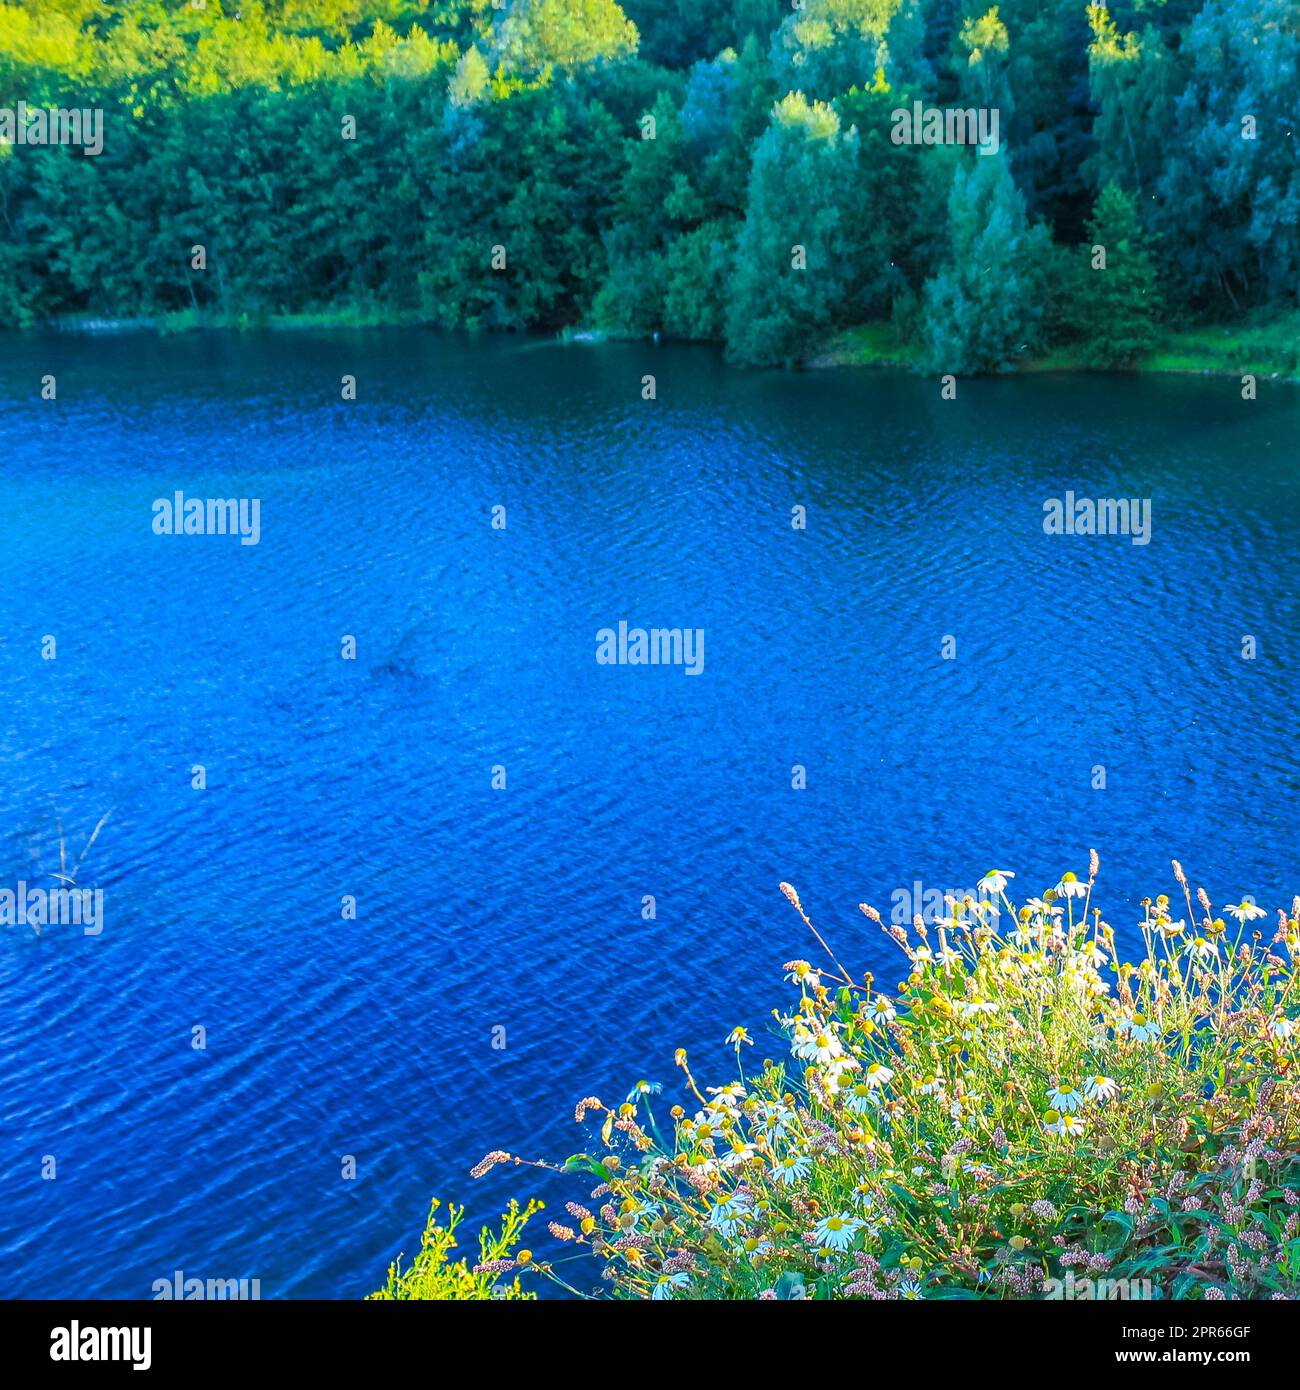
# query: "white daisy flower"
[[833, 1078], [1245, 911], [1065, 1096], [910, 1288], [877, 1074], [837, 1232], [1067, 1124], [821, 1047], [1071, 887], [700, 1129], [1281, 1028], [1139, 1026], [994, 881], [860, 1098], [793, 1168], [771, 1120], [1092, 954], [1100, 1088], [882, 1010], [668, 1284], [730, 1214]]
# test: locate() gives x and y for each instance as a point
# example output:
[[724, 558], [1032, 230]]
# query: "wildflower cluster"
[[1027, 1106]]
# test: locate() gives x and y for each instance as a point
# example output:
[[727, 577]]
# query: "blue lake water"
[[522, 908]]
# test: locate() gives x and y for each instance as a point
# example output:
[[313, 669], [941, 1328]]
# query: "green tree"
[[655, 203], [984, 308], [697, 272], [1116, 305], [564, 34], [794, 255], [1227, 198], [828, 46]]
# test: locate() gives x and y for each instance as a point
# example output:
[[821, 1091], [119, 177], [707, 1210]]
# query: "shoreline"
[[1268, 349]]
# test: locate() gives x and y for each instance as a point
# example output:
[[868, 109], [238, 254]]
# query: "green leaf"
[[584, 1163], [1125, 1222]]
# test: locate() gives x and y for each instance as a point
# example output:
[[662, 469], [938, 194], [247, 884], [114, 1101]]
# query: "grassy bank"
[[351, 316], [1268, 347]]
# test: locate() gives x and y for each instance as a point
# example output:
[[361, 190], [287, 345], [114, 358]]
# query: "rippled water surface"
[[522, 908]]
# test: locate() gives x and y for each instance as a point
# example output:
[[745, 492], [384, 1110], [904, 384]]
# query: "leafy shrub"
[[434, 1276]]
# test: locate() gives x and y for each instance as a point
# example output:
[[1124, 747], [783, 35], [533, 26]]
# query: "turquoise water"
[[480, 909]]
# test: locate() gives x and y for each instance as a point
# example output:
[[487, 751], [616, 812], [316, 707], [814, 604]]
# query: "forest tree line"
[[706, 169]]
